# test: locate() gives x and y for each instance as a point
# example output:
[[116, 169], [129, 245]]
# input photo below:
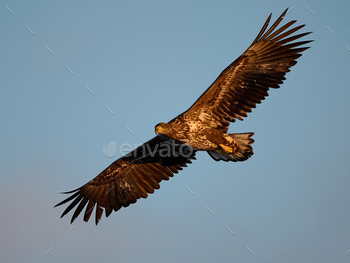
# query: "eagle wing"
[[129, 178], [246, 81]]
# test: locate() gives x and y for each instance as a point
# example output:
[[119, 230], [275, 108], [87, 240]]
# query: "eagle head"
[[162, 128]]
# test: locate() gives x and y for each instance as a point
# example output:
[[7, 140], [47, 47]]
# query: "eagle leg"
[[224, 149]]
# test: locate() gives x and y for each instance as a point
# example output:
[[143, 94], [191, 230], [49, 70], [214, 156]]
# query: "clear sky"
[[148, 61]]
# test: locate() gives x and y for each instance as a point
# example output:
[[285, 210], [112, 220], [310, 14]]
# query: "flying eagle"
[[203, 127]]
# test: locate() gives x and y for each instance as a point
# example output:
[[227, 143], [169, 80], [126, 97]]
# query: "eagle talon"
[[226, 149]]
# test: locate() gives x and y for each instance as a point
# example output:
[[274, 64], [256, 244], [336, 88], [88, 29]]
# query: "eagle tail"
[[244, 142]]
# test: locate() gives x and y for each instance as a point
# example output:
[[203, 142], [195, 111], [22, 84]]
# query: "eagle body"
[[192, 131], [200, 136], [203, 127]]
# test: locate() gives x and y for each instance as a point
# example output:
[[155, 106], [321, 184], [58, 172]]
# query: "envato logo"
[[110, 150], [139, 151]]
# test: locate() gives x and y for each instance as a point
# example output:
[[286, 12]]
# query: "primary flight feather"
[[203, 127]]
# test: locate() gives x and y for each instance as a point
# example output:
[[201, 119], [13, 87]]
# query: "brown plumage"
[[203, 127], [131, 177]]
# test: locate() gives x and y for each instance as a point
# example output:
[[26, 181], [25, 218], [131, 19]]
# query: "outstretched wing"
[[129, 178], [245, 82]]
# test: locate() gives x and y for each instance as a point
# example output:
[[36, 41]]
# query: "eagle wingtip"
[[70, 192]]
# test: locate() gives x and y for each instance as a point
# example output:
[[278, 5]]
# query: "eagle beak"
[[159, 129]]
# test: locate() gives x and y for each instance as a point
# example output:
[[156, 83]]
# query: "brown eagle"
[[203, 127]]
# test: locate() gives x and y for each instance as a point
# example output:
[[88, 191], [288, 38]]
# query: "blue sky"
[[148, 62]]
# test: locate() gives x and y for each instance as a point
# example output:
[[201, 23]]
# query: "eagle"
[[203, 127]]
